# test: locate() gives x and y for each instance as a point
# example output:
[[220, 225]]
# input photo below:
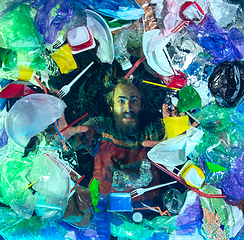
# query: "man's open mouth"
[[128, 117]]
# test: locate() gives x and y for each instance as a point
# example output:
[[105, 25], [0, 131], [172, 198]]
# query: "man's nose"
[[127, 107]]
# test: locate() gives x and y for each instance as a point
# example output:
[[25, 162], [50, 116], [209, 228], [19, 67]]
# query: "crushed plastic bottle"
[[123, 181]]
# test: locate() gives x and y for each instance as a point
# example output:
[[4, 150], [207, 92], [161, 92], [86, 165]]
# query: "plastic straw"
[[39, 82], [138, 62], [182, 181], [77, 183], [161, 85], [74, 122]]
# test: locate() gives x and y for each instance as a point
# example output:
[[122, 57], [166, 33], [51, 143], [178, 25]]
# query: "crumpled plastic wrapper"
[[78, 211], [149, 19]]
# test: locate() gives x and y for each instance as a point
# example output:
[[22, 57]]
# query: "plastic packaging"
[[232, 184], [19, 30], [121, 9], [190, 216], [65, 60], [192, 174], [219, 217], [51, 17], [146, 229], [226, 83], [176, 125], [222, 44], [78, 211], [94, 188], [8, 59], [123, 181], [16, 90], [173, 152], [188, 99]]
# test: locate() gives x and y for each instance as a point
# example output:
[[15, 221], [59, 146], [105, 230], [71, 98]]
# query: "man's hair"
[[110, 95]]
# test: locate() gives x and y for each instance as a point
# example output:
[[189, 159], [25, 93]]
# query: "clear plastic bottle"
[[124, 181], [120, 50]]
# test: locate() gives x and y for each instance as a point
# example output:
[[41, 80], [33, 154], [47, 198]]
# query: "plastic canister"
[[80, 39]]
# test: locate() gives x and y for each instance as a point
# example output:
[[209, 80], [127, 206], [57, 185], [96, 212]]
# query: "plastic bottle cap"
[[126, 65], [137, 217]]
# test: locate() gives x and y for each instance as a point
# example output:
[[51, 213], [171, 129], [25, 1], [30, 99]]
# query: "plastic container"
[[120, 202], [80, 39]]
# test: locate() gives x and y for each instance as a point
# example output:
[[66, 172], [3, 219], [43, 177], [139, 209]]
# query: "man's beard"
[[123, 128]]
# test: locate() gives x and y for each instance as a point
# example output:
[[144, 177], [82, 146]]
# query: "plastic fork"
[[65, 89], [59, 41], [139, 191]]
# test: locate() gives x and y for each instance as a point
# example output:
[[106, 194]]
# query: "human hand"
[[166, 113], [70, 131]]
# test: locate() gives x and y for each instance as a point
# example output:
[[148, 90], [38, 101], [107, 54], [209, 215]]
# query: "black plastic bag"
[[226, 83]]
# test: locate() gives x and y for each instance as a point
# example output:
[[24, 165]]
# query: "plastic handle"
[[80, 74]]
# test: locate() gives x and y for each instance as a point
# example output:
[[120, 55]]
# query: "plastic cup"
[[8, 59]]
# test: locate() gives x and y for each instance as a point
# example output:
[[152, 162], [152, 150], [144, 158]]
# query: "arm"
[[71, 131], [166, 113], [81, 136]]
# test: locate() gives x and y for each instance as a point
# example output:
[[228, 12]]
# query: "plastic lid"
[[126, 65], [137, 217]]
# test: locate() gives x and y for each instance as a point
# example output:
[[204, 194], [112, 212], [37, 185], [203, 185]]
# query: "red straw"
[[182, 181], [39, 82], [77, 183], [74, 122], [138, 62]]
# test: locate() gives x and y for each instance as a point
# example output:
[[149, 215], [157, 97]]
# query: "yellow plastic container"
[[176, 125], [25, 73], [193, 175]]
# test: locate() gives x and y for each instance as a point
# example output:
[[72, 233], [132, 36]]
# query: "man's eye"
[[134, 101], [121, 101]]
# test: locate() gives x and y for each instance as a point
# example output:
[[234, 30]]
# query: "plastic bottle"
[[145, 173], [124, 181], [120, 50]]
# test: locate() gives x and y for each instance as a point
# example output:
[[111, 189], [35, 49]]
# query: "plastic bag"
[[78, 211], [219, 217], [222, 44], [121, 9], [19, 30], [173, 152], [51, 17], [31, 115], [226, 83], [190, 216]]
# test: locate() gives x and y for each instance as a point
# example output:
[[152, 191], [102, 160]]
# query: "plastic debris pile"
[[190, 56]]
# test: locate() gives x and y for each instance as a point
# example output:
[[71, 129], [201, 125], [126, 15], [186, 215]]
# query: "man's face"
[[126, 108]]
